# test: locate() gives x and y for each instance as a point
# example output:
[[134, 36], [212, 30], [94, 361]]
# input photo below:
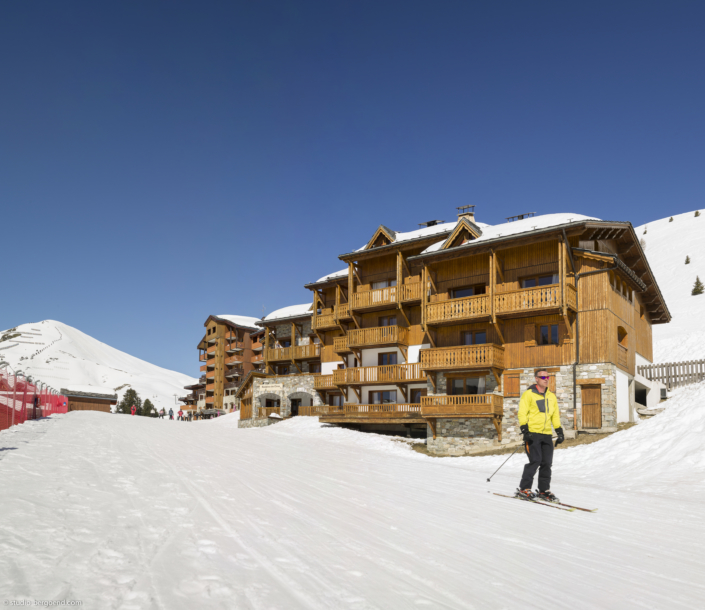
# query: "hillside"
[[61, 356], [667, 245]]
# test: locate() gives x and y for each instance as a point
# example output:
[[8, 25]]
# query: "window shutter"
[[529, 335], [511, 384], [552, 383]]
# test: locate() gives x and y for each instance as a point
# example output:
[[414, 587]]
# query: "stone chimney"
[[466, 211]]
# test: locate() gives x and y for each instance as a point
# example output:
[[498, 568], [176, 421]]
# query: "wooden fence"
[[674, 374]]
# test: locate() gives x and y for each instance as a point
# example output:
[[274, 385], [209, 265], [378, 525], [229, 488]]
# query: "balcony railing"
[[211, 350], [237, 358], [528, 300], [374, 298], [391, 373], [380, 335], [210, 387], [463, 357], [267, 411], [342, 311], [410, 292], [324, 321], [389, 410], [466, 405], [467, 308], [234, 372], [323, 382], [297, 352], [622, 357], [340, 344], [571, 297], [321, 410], [210, 375]]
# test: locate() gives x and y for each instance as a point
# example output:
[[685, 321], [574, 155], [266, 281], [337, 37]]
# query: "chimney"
[[466, 211]]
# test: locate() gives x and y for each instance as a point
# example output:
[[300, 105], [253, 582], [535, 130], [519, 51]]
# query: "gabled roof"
[[234, 320], [381, 231], [465, 228], [286, 313]]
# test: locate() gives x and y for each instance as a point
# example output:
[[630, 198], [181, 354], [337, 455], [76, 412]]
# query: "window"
[[335, 400], [272, 404], [541, 280], [383, 397], [314, 367], [283, 369], [316, 340], [386, 358], [387, 321], [548, 334], [383, 284], [467, 291], [285, 342], [467, 385], [473, 337], [416, 395]]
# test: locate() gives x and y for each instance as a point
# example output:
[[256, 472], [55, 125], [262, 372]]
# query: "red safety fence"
[[21, 400]]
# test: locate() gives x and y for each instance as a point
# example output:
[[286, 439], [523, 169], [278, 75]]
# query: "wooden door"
[[592, 406]]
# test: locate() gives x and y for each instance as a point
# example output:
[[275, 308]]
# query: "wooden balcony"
[[323, 321], [342, 311], [211, 350], [210, 375], [458, 310], [467, 406], [297, 352], [267, 411], [340, 345], [210, 387], [388, 374], [321, 410], [531, 301], [323, 382], [462, 357], [382, 298], [378, 336], [234, 359], [410, 292]]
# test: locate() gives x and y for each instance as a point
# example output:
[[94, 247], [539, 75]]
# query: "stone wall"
[[259, 422], [283, 331], [284, 387], [466, 436]]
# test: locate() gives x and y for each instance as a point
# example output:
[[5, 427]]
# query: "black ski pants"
[[540, 454]]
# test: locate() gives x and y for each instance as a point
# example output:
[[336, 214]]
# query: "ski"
[[587, 510], [570, 510]]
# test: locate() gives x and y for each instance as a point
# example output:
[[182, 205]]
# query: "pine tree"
[[670, 219], [697, 213], [148, 409], [698, 287], [687, 260], [642, 243], [646, 229], [131, 397]]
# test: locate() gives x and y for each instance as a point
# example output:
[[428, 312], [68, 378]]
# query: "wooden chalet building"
[[230, 348], [440, 329], [89, 398]]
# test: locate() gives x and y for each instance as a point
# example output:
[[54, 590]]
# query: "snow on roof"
[[331, 276], [519, 226], [89, 389], [290, 312], [445, 227], [241, 320]]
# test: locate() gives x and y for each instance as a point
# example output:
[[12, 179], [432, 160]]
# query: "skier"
[[162, 413], [538, 409], [133, 410], [171, 413], [181, 415]]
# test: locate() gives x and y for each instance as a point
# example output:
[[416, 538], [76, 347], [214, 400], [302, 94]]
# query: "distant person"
[[133, 410], [181, 415], [538, 409], [171, 413], [190, 415], [162, 413]]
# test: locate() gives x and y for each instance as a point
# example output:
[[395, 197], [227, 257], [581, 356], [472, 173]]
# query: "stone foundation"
[[467, 436], [258, 422]]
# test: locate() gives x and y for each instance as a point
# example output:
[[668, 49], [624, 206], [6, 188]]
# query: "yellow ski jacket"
[[539, 411]]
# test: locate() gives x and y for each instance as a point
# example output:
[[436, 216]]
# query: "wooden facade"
[[576, 293], [90, 402]]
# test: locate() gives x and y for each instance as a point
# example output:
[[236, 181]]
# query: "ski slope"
[[62, 356], [667, 245], [303, 516]]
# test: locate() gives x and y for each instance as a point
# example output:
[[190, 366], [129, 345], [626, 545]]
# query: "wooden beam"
[[403, 392], [498, 426], [432, 378], [568, 328], [403, 313], [498, 266], [405, 352], [357, 393], [432, 423], [493, 316], [498, 376], [498, 329]]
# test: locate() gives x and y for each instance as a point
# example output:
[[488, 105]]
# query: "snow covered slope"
[[667, 245], [300, 515], [60, 356]]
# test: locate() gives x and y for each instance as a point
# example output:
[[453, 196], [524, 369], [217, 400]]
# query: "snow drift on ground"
[[667, 245], [62, 356], [302, 515]]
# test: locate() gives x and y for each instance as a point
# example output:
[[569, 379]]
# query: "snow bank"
[[291, 311]]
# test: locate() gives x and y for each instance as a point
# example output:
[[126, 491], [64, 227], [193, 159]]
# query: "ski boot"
[[546, 496], [524, 494]]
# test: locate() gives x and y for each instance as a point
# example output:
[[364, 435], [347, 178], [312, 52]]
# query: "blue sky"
[[162, 161]]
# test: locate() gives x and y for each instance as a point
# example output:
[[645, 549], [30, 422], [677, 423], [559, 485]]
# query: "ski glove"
[[526, 434], [561, 438]]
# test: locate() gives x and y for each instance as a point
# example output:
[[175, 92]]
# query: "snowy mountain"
[[667, 245], [60, 356]]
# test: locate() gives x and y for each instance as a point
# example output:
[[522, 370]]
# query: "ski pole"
[[503, 463]]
